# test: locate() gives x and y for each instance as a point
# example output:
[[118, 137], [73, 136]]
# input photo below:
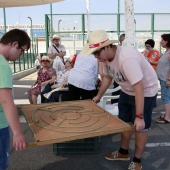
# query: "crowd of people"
[[139, 85]]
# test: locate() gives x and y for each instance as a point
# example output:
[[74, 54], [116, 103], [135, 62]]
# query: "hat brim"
[[87, 51], [55, 39]]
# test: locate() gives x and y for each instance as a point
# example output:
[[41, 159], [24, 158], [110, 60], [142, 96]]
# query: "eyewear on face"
[[147, 46], [22, 50], [45, 60], [98, 51]]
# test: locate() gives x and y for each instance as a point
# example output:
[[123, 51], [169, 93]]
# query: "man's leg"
[[140, 143], [125, 139], [125, 114]]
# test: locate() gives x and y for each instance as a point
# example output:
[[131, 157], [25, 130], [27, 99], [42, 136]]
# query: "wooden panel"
[[66, 121]]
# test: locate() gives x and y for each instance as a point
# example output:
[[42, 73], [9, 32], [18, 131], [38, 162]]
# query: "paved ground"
[[156, 155]]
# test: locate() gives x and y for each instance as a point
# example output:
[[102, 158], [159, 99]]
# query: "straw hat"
[[96, 40], [55, 37], [45, 58]]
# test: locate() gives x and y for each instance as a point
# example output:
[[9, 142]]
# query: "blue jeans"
[[4, 148], [165, 92]]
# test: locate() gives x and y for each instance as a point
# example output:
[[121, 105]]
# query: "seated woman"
[[61, 82], [45, 75]]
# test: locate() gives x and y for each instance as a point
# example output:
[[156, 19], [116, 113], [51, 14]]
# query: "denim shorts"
[[165, 92], [127, 109], [4, 148]]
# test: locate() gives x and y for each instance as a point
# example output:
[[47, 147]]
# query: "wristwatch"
[[140, 116]]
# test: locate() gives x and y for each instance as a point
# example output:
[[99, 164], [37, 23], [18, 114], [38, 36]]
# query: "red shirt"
[[152, 56]]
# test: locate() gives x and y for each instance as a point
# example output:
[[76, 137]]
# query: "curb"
[[21, 74]]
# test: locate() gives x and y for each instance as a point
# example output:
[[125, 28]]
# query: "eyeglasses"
[[22, 50], [97, 53], [147, 46]]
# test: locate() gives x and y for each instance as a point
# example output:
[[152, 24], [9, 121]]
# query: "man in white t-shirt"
[[139, 87], [57, 52]]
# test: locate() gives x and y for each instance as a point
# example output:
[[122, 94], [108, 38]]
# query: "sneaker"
[[117, 156], [135, 166]]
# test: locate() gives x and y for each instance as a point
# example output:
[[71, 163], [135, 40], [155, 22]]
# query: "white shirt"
[[57, 62], [129, 67], [84, 74], [58, 65], [63, 76]]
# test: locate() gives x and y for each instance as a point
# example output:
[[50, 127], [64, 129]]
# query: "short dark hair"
[[166, 37], [122, 37], [16, 35], [151, 42]]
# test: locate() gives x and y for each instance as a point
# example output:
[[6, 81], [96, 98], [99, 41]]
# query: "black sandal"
[[162, 116], [162, 120]]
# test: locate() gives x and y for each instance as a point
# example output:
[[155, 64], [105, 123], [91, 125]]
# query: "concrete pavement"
[[155, 157]]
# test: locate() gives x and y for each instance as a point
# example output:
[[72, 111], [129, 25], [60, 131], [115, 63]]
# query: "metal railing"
[[26, 61], [147, 25]]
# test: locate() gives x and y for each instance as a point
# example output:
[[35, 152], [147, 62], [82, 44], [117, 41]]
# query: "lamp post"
[[4, 20], [59, 25], [31, 40], [31, 25], [75, 36]]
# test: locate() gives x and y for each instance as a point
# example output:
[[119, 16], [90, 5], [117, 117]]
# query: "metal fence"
[[26, 61], [73, 27]]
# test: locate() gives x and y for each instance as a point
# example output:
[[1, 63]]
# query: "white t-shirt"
[[58, 64], [52, 50], [84, 74], [37, 63], [129, 67]]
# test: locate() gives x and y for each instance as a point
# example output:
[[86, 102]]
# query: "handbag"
[[167, 83]]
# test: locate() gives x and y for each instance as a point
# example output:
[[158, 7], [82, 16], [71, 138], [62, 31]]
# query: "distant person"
[[74, 59], [37, 64], [121, 39], [56, 52], [163, 73], [45, 75], [82, 78], [151, 55], [12, 45], [61, 82], [138, 82]]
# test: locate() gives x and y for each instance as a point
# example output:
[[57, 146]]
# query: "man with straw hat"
[[138, 81], [57, 52]]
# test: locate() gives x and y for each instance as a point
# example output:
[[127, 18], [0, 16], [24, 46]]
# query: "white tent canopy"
[[18, 3]]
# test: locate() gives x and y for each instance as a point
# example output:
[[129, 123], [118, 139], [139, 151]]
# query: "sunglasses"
[[97, 53], [45, 61]]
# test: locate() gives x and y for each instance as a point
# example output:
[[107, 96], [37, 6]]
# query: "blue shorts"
[[127, 109], [4, 148], [165, 92]]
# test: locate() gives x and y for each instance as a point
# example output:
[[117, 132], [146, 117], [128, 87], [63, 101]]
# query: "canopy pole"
[[4, 13], [88, 16], [129, 24]]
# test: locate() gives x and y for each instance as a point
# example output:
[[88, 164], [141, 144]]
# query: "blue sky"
[[20, 14]]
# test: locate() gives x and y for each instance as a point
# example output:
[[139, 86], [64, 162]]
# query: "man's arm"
[[106, 81], [60, 54], [11, 114], [139, 101]]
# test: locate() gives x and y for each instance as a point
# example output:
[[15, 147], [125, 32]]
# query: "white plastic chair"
[[111, 108]]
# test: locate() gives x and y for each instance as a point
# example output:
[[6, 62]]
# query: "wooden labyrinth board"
[[66, 121]]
